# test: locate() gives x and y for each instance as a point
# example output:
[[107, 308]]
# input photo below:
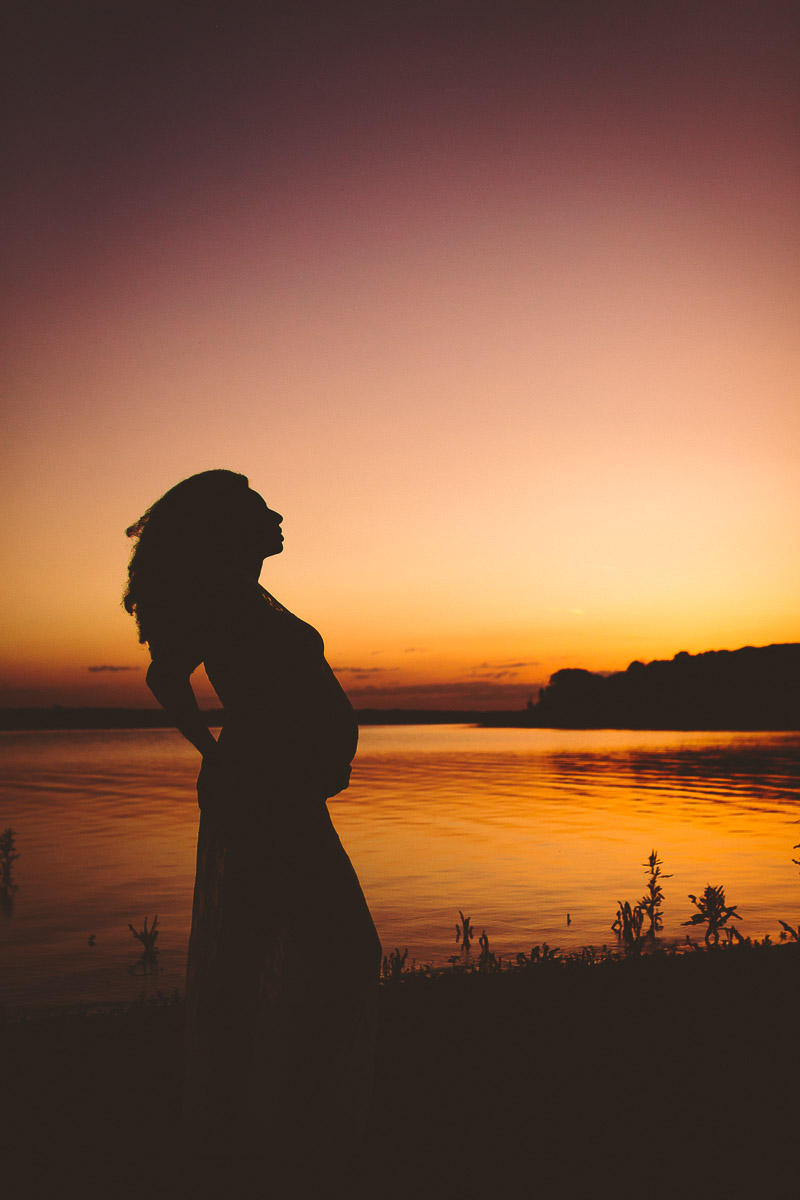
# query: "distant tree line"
[[751, 688], [60, 716]]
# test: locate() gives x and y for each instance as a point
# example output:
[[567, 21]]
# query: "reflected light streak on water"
[[515, 827]]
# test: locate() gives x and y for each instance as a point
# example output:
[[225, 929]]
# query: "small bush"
[[713, 912]]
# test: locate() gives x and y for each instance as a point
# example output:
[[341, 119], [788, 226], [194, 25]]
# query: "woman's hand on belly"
[[239, 774]]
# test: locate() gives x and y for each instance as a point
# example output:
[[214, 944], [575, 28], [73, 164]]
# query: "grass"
[[628, 926], [713, 912], [653, 899], [148, 963], [633, 936], [791, 932], [464, 932], [532, 1076], [8, 856]]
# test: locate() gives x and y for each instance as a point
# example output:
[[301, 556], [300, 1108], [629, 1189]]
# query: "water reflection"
[[515, 828]]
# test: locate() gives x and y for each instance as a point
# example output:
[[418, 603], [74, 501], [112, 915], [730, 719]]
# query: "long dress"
[[284, 957]]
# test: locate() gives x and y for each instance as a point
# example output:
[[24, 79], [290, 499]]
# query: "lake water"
[[516, 827]]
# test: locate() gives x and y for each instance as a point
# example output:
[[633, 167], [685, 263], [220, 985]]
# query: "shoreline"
[[61, 717], [663, 955], [641, 1070]]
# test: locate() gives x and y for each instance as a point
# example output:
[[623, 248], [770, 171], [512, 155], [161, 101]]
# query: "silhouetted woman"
[[283, 954]]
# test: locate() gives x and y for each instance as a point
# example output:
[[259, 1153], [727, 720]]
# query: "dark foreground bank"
[[644, 1077]]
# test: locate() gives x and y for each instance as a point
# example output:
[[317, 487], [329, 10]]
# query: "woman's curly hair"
[[190, 529]]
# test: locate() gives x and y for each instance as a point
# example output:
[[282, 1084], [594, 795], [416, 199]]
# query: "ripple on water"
[[515, 827]]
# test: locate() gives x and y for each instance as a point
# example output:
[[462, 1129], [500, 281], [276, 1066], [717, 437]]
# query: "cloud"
[[108, 668], [492, 674], [508, 670], [508, 666], [415, 650], [359, 672]]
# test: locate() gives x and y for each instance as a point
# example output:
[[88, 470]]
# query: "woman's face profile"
[[263, 526]]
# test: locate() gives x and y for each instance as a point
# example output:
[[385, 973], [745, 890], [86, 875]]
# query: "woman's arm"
[[170, 684]]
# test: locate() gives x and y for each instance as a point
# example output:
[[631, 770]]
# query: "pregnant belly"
[[274, 752]]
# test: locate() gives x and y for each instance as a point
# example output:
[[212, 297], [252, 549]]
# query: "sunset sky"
[[496, 303]]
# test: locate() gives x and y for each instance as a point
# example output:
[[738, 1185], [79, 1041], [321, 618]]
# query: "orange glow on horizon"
[[508, 332]]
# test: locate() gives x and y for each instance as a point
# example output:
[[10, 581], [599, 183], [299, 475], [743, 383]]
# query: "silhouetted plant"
[[653, 898], [487, 961], [713, 912], [8, 855], [539, 954], [587, 956], [789, 931], [464, 932], [628, 925], [149, 959], [394, 963], [425, 970]]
